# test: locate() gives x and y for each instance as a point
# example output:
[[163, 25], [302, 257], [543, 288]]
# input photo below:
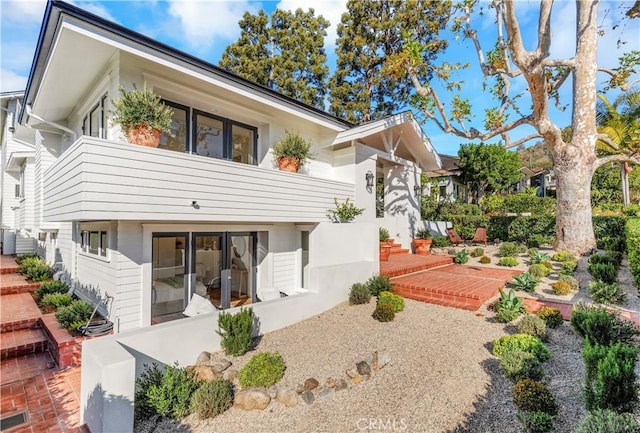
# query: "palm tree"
[[620, 124]]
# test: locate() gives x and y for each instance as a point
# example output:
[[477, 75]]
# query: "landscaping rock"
[[384, 358], [252, 399], [363, 368], [341, 384], [273, 391], [326, 392], [204, 372], [203, 358], [352, 373], [330, 383], [287, 397], [230, 374], [300, 388], [310, 384], [308, 397], [220, 365]]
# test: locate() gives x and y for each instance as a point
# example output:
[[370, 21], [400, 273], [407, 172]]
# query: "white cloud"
[[23, 10], [331, 10], [94, 8], [10, 81]]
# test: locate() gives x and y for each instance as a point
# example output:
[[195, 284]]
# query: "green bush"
[[508, 261], [561, 288], [396, 302], [74, 315], [608, 257], [461, 257], [485, 260], [379, 283], [551, 316], [547, 264], [532, 396], [466, 225], [344, 212], [499, 227], [533, 231], [50, 287], [212, 398], [383, 235], [521, 342], [539, 258], [568, 268], [384, 313], [606, 421], [57, 300], [508, 307], [35, 269], [359, 294], [151, 376], [22, 257], [601, 326], [508, 249], [564, 256], [539, 270], [574, 283], [236, 331], [172, 396], [610, 233], [535, 422], [533, 325], [517, 365], [632, 231], [606, 293], [604, 272], [531, 252], [524, 282], [610, 376], [440, 241], [477, 252], [263, 369], [525, 202]]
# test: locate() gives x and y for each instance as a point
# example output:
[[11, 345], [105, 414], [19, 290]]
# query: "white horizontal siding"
[[25, 244], [98, 179], [285, 266], [95, 277]]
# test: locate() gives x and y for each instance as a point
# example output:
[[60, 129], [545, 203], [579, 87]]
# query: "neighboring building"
[[537, 177], [445, 184]]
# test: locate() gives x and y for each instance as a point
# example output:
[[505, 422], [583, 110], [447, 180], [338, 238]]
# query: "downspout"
[[55, 125]]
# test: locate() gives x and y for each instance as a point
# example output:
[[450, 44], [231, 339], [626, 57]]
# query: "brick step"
[[22, 342], [446, 300], [416, 264], [8, 265], [399, 250], [12, 284], [18, 311], [7, 270]]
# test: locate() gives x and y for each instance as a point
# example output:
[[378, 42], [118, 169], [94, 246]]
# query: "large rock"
[[203, 358], [310, 384], [220, 365], [204, 372], [363, 368], [252, 399], [287, 397], [308, 397], [230, 374]]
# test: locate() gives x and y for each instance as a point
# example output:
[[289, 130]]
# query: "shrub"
[[379, 283], [263, 369], [50, 287], [610, 233], [533, 325], [533, 231], [601, 325], [461, 257], [539, 270], [610, 376], [22, 257], [384, 313], [57, 300], [568, 268], [212, 398], [485, 260], [396, 302], [359, 294], [564, 256], [440, 241], [172, 396], [383, 234], [604, 272], [517, 365], [531, 252], [632, 232], [612, 257], [151, 376], [477, 252], [236, 331], [561, 288], [525, 282], [551, 316], [575, 285], [35, 269], [606, 421], [532, 396], [521, 342], [344, 212], [508, 249], [547, 264], [508, 307], [536, 241], [539, 258], [535, 422], [74, 315], [508, 261], [605, 293]]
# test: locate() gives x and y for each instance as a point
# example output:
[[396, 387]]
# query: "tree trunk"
[[625, 183]]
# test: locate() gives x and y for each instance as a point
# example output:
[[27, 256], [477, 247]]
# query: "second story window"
[[94, 123]]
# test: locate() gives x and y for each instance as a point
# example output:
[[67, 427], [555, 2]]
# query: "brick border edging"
[[65, 349]]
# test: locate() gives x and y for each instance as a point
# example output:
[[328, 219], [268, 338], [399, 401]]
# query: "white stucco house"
[[207, 212]]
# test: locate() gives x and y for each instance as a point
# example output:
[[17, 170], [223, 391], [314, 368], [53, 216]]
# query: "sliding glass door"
[[169, 271]]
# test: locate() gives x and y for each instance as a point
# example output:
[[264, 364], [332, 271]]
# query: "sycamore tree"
[[284, 51], [508, 62]]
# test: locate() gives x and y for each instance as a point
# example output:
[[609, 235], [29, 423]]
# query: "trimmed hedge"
[[610, 232], [632, 234]]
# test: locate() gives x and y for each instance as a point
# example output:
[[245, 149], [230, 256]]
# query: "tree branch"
[[508, 144], [634, 158], [608, 141], [544, 29]]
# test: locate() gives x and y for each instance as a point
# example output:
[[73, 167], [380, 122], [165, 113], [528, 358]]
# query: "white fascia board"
[[370, 128], [16, 159]]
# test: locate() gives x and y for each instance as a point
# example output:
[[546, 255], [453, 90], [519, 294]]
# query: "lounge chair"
[[454, 237], [480, 237]]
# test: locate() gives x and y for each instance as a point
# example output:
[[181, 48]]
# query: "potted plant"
[[292, 151], [385, 244], [142, 116], [422, 242]]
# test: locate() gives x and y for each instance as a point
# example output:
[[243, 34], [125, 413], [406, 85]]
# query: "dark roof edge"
[[119, 30]]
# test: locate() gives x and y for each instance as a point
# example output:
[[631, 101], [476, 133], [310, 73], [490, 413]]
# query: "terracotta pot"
[[422, 246], [144, 137], [289, 164], [385, 251]]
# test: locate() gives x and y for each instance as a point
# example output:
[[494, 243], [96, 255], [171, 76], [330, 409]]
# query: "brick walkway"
[[402, 264]]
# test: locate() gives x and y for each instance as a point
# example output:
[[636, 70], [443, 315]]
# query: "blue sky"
[[204, 28]]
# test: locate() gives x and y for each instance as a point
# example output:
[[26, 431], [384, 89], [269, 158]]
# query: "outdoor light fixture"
[[369, 177], [417, 190], [195, 204]]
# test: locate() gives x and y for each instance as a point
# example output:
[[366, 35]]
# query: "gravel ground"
[[442, 378]]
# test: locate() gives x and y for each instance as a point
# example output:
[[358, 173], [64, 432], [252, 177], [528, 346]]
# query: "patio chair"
[[480, 236], [454, 237]]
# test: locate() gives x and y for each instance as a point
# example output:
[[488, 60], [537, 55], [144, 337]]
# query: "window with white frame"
[[94, 123], [94, 242]]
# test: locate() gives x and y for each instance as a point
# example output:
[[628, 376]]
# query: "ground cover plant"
[[517, 365], [607, 293], [539, 270], [561, 288], [74, 315], [35, 269], [533, 325], [508, 261], [263, 369]]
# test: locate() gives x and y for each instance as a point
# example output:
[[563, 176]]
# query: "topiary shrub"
[[440, 241], [568, 268], [74, 315], [508, 249], [539, 270], [477, 252], [601, 326], [521, 342], [50, 287], [359, 294], [563, 256], [57, 300], [379, 283], [551, 316], [263, 369], [517, 365], [532, 396], [508, 261], [396, 302], [485, 260], [384, 313], [236, 331], [606, 272], [535, 422], [524, 282], [172, 396], [605, 293], [561, 288], [533, 325], [212, 398], [607, 421], [461, 257]]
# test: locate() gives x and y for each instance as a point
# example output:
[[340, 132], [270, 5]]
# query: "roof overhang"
[[400, 135], [16, 159]]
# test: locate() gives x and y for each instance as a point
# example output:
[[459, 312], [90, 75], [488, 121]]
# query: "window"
[[179, 137], [17, 191], [94, 242], [94, 123]]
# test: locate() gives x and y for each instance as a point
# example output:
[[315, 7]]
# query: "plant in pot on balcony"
[[422, 242], [292, 151], [385, 244], [142, 116]]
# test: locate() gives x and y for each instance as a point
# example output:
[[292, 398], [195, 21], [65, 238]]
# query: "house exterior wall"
[[402, 215]]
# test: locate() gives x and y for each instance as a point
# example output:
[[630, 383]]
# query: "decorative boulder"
[[326, 392], [341, 384], [219, 365], [230, 374], [204, 372], [252, 398], [310, 384], [308, 397], [203, 358], [363, 368], [287, 397]]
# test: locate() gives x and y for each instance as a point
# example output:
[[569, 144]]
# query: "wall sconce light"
[[195, 204], [417, 190], [369, 177]]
